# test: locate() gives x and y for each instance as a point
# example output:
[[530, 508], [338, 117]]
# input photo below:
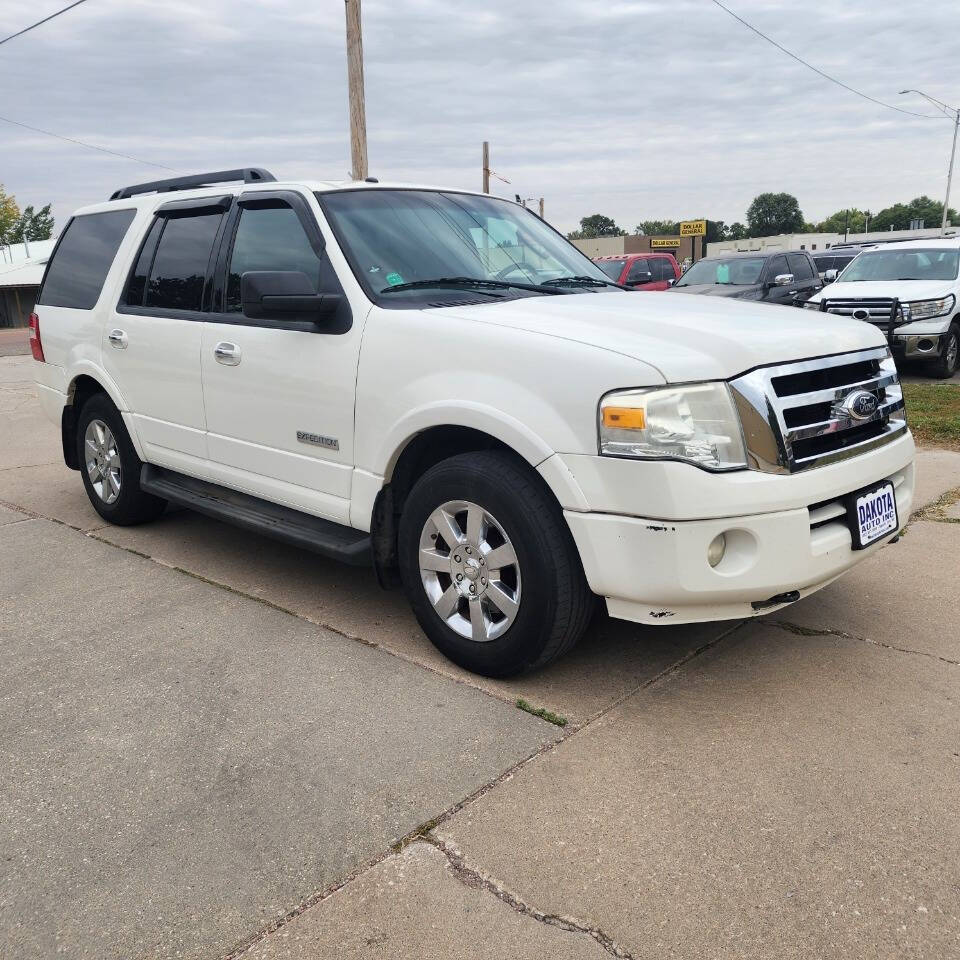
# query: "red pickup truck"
[[641, 271]]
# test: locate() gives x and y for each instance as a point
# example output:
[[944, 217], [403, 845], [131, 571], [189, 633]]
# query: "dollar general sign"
[[693, 228]]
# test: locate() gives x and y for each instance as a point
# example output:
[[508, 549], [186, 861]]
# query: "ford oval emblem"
[[860, 404], [861, 314]]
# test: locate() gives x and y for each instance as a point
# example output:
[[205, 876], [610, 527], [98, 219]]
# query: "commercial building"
[[21, 270], [819, 241], [680, 247]]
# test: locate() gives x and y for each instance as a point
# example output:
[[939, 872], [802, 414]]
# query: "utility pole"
[[486, 167], [358, 113], [954, 114]]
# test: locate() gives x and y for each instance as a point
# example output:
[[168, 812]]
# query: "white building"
[[818, 241]]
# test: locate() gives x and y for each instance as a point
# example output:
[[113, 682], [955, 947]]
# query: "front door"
[[777, 267], [279, 394], [152, 337]]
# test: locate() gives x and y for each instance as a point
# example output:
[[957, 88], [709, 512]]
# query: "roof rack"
[[242, 175]]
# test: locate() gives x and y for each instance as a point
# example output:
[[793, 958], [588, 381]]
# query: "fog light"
[[925, 345], [717, 548]]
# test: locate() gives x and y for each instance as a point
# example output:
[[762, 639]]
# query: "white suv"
[[436, 382], [911, 291]]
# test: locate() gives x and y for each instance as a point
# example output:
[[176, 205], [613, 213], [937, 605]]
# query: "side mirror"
[[829, 276], [671, 281], [782, 280], [284, 295]]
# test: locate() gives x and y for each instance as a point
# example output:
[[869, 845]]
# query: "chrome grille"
[[878, 311], [795, 416]]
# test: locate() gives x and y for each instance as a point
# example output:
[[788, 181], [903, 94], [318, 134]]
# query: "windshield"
[[931, 264], [736, 271], [397, 237], [612, 268]]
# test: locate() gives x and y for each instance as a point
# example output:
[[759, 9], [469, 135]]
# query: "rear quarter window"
[[82, 259]]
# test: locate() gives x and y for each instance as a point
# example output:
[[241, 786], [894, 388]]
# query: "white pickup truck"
[[436, 382]]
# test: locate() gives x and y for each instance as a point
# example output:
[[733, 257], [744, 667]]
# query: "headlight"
[[811, 306], [924, 309], [696, 423]]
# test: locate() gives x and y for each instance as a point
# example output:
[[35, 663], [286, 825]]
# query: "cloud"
[[638, 110]]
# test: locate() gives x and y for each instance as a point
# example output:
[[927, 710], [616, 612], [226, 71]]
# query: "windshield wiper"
[[469, 282], [585, 281]]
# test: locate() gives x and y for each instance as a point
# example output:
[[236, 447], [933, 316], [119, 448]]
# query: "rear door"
[[639, 274], [279, 394], [152, 340]]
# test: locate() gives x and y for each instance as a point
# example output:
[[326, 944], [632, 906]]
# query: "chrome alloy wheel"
[[952, 349], [469, 570], [102, 460]]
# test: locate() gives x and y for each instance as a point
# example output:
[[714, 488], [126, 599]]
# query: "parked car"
[[641, 271], [353, 369], [910, 291], [782, 278], [831, 264]]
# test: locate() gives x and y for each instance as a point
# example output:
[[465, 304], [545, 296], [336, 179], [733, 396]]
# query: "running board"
[[270, 519]]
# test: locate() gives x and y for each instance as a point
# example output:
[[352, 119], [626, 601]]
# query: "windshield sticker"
[[723, 273], [394, 279]]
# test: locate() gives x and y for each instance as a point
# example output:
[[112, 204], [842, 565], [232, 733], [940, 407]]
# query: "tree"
[[773, 213], [736, 231], [33, 226], [898, 216], [9, 216], [655, 228], [596, 225]]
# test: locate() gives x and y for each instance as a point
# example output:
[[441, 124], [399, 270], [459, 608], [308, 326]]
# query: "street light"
[[954, 114]]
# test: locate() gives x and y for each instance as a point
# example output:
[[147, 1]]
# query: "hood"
[[903, 289], [685, 338], [718, 289]]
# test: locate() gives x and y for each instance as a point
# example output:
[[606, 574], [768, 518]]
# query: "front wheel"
[[946, 366], [490, 567]]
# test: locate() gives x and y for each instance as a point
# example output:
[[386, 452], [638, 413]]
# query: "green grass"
[[541, 713], [933, 412]]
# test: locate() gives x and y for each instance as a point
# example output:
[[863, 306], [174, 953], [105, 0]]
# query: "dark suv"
[[787, 278]]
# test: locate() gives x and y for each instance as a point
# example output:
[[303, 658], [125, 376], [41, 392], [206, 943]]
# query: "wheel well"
[[420, 454], [80, 391]]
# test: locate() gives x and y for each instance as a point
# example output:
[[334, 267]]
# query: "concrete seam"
[[471, 877], [841, 635]]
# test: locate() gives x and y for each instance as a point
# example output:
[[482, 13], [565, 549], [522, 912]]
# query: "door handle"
[[117, 339], [227, 353]]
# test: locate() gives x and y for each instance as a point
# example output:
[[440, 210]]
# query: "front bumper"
[[656, 571], [924, 346]]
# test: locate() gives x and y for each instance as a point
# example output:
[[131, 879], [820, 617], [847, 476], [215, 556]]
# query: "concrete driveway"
[[216, 745]]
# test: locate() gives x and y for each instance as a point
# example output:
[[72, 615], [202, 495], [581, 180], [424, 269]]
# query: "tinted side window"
[[800, 266], [269, 238], [180, 266], [86, 250], [137, 286], [775, 267], [638, 271], [662, 269]]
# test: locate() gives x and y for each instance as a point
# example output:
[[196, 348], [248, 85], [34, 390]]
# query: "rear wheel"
[[110, 466], [946, 366], [490, 567]]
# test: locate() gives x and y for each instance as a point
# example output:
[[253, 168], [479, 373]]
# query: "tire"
[[544, 591], [109, 452], [946, 366]]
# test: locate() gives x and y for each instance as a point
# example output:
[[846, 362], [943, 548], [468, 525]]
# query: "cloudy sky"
[[634, 109]]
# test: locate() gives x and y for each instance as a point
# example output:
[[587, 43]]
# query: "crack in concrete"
[[471, 877], [842, 635]]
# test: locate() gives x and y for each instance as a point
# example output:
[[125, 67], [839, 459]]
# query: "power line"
[[89, 146], [817, 70], [33, 26]]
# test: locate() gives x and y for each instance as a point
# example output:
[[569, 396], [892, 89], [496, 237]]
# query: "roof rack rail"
[[242, 174]]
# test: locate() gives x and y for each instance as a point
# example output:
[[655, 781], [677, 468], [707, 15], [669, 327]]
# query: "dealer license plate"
[[873, 515]]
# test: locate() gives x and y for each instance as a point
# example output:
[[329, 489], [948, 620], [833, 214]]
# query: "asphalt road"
[[213, 744]]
